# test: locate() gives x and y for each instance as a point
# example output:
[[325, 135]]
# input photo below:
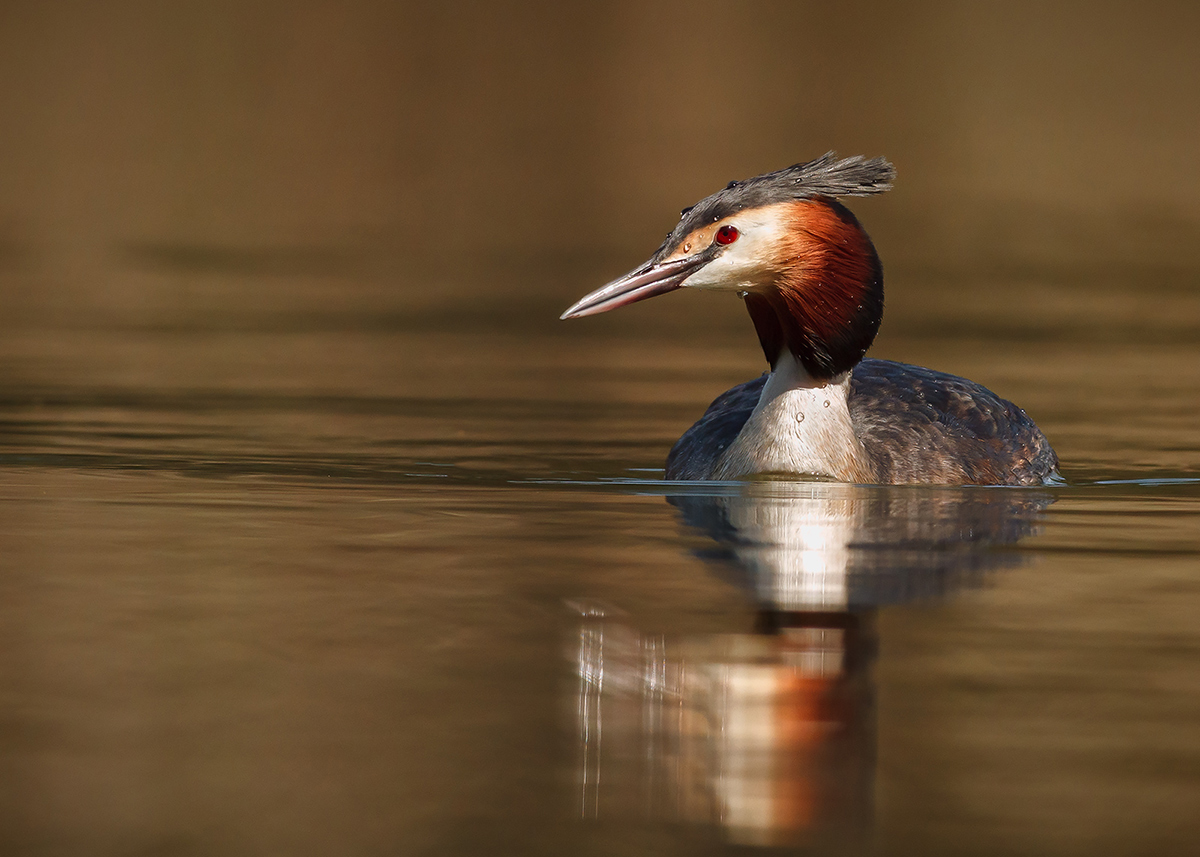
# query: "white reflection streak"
[[744, 786], [802, 556], [823, 568], [654, 689], [591, 686]]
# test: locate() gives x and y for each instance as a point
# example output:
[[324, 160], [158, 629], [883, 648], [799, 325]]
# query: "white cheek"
[[742, 265], [724, 272]]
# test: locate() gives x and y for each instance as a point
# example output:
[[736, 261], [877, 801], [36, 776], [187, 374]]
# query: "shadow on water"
[[770, 734]]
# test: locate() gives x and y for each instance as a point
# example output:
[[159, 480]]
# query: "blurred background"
[[320, 533], [157, 157]]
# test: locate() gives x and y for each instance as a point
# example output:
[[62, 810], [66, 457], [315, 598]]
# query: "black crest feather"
[[824, 176]]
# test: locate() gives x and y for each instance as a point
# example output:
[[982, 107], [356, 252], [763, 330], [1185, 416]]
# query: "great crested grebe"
[[813, 285]]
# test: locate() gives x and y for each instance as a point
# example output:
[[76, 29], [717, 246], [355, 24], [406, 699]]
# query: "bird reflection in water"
[[770, 734]]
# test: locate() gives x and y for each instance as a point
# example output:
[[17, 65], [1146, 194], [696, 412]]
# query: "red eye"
[[727, 234]]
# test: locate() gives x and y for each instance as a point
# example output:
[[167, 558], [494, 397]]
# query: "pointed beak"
[[645, 282]]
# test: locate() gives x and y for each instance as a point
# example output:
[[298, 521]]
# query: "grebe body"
[[813, 286]]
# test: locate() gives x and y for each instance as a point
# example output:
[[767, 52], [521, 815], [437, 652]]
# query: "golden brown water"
[[320, 534]]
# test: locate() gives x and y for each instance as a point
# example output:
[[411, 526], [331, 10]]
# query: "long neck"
[[826, 303]]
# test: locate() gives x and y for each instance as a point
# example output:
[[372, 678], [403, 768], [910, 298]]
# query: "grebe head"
[[808, 272]]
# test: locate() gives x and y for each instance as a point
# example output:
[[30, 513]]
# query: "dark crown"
[[823, 176]]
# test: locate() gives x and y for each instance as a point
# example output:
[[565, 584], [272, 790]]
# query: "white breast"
[[799, 426]]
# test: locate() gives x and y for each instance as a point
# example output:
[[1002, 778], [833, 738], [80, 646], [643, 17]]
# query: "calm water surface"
[[409, 583]]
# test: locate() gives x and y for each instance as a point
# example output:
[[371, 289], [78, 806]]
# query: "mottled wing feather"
[[695, 455], [924, 426], [917, 425]]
